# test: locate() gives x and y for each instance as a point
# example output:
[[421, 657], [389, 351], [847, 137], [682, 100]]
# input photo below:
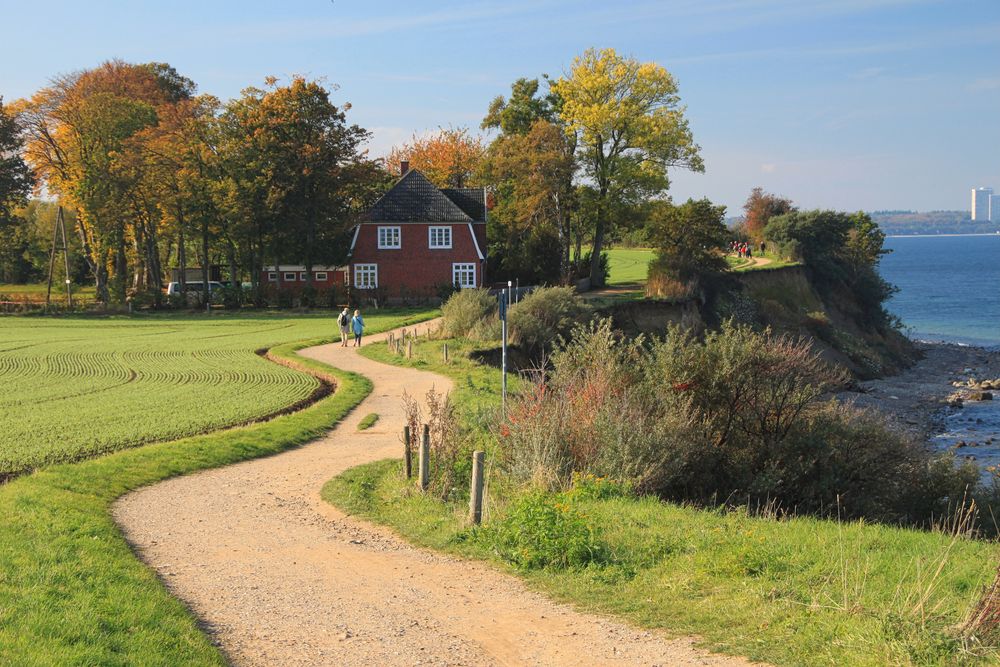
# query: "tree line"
[[155, 175]]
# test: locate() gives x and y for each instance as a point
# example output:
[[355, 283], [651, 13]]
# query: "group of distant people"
[[744, 249]]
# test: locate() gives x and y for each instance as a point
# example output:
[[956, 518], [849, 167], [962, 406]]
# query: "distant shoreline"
[[930, 236]]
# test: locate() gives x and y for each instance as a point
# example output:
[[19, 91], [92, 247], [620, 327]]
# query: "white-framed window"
[[321, 276], [365, 276], [463, 275], [439, 237], [388, 238], [303, 276], [289, 277], [272, 276]]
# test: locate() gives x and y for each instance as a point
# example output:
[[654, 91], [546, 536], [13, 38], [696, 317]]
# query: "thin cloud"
[[984, 84]]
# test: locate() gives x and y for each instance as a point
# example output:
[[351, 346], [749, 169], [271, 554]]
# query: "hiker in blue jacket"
[[358, 326]]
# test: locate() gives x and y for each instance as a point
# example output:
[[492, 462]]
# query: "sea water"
[[949, 287], [949, 290]]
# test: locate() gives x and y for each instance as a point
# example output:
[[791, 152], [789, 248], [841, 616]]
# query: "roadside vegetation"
[[368, 421], [72, 591], [706, 488]]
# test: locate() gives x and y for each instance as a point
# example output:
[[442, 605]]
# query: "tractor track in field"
[[279, 577]]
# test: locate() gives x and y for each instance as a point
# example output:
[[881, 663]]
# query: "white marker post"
[[505, 304]]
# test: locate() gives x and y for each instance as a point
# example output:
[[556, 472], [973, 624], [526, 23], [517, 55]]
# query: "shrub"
[[740, 416], [466, 311], [542, 531], [544, 316]]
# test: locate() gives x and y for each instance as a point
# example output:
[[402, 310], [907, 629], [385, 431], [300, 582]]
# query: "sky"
[[844, 104]]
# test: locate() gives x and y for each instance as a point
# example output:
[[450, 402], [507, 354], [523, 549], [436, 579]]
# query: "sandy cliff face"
[[785, 300]]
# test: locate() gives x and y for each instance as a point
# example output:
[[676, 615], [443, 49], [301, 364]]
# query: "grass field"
[[72, 592], [801, 591], [76, 387], [628, 265], [36, 292]]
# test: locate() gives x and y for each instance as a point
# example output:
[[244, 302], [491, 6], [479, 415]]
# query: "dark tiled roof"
[[415, 199], [470, 200]]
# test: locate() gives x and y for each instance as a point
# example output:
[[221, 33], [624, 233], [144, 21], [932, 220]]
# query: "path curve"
[[279, 577]]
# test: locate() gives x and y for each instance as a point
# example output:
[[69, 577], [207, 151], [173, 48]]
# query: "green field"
[[628, 266], [36, 291], [75, 387], [71, 590]]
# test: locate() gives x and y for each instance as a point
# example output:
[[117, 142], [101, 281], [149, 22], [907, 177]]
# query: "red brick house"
[[417, 238]]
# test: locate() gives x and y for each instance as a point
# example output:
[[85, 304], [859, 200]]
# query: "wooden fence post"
[[476, 493], [425, 458], [409, 349], [444, 351], [409, 457]]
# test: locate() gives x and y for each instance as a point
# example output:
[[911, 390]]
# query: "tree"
[[517, 114], [689, 241], [842, 252], [299, 162], [449, 159], [758, 210], [630, 127], [15, 178]]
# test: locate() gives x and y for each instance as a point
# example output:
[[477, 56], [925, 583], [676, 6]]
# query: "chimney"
[[404, 166]]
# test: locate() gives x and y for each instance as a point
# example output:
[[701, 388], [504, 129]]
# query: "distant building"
[[981, 203], [994, 208]]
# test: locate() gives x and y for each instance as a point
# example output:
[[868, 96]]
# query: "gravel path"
[[279, 577]]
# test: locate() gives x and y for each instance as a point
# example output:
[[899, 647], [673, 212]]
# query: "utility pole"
[[59, 245]]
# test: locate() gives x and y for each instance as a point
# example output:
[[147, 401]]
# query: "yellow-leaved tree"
[[630, 127]]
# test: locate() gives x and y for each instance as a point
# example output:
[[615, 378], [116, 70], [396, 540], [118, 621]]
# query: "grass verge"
[[799, 591], [368, 421], [71, 590]]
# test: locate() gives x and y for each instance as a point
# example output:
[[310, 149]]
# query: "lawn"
[[71, 591], [799, 591], [628, 266], [77, 386]]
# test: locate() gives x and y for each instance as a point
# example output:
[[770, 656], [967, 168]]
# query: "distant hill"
[[901, 223], [931, 222]]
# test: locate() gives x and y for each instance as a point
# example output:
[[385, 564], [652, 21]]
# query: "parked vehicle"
[[193, 286]]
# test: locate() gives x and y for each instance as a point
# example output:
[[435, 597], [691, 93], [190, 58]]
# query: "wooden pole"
[[476, 493], [409, 456], [425, 458], [409, 349], [444, 351]]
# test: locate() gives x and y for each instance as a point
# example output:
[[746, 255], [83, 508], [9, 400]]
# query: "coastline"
[[917, 400]]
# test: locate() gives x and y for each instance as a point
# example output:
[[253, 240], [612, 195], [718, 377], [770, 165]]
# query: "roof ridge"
[[414, 198]]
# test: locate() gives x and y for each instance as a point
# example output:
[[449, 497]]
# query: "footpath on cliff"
[[279, 577]]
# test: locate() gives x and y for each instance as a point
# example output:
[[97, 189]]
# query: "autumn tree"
[[758, 210], [630, 127], [15, 185], [298, 163], [449, 158], [80, 142]]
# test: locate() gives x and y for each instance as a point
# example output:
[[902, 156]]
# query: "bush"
[[544, 316], [542, 531], [604, 267], [465, 313], [740, 416]]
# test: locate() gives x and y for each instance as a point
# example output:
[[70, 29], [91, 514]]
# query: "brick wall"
[[415, 267]]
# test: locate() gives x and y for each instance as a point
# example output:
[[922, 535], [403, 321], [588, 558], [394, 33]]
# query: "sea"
[[949, 290]]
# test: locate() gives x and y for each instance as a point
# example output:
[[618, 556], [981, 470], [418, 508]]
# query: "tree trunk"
[[181, 254], [204, 263], [596, 277]]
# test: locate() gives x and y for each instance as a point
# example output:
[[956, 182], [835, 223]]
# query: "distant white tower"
[[981, 203], [995, 208]]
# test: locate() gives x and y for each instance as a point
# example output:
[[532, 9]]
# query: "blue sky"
[[849, 104]]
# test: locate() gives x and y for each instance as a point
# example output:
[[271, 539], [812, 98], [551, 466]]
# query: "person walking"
[[358, 326], [344, 322]]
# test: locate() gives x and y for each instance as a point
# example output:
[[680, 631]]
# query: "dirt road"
[[279, 577]]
